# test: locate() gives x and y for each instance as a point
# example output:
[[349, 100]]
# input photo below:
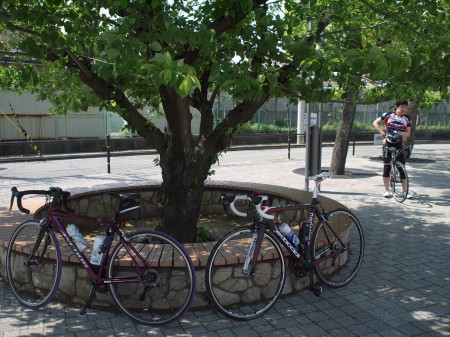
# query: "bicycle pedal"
[[318, 291]]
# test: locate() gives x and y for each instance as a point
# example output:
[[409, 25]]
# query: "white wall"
[[33, 116]]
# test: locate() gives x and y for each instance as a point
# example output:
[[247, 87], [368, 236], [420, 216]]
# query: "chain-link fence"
[[280, 113]]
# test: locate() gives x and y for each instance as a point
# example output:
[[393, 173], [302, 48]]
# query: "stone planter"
[[75, 283]]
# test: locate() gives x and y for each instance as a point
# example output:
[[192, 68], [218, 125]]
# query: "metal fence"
[[278, 112], [32, 115]]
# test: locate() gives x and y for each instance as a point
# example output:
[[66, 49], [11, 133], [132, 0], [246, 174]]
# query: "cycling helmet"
[[394, 137]]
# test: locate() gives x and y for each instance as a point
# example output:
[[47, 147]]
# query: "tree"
[[125, 56], [396, 46], [131, 56]]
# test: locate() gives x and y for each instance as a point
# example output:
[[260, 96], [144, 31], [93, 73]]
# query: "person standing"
[[398, 127]]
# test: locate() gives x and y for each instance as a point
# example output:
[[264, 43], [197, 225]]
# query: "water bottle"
[[77, 238], [305, 232], [289, 234], [96, 255], [99, 242]]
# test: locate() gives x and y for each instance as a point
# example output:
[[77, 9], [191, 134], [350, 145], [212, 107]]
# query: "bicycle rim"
[[398, 193], [167, 280], [33, 283], [236, 294], [338, 248]]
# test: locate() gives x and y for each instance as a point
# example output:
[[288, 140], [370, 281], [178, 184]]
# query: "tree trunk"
[[185, 164], [343, 133], [181, 197], [413, 108]]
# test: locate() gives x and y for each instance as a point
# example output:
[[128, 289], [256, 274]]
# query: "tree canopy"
[[131, 55]]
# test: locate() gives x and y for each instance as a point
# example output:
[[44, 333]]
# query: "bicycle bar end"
[[14, 193]]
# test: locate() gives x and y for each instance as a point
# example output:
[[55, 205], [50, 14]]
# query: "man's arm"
[[405, 134], [376, 124]]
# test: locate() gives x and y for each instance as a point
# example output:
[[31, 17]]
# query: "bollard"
[[354, 141], [289, 144], [315, 150], [108, 153]]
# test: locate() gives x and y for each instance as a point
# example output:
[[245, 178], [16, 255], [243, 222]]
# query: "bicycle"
[[398, 176], [246, 270], [149, 274]]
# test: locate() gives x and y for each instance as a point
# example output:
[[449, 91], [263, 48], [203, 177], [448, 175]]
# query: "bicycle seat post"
[[316, 189]]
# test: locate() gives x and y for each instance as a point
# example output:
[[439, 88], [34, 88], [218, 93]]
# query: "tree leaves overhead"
[[123, 41], [126, 55]]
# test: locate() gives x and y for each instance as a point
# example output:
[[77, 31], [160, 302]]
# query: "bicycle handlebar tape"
[[235, 211], [18, 195]]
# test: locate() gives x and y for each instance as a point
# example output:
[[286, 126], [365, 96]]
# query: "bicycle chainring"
[[299, 269]]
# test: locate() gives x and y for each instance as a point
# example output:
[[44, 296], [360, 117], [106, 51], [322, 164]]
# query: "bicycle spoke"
[[231, 289], [338, 248], [399, 186], [157, 289], [33, 267]]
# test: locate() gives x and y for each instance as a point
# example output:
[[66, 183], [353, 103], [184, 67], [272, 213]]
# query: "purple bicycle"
[[149, 274]]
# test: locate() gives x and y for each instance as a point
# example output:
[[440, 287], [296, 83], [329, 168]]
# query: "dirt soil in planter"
[[217, 224]]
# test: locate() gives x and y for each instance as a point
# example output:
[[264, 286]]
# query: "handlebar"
[[258, 199], [53, 192]]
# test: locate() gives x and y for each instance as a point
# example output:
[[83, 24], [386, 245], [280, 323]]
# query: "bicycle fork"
[[33, 260], [253, 252]]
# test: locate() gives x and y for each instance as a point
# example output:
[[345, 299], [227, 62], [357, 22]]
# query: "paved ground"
[[402, 288]]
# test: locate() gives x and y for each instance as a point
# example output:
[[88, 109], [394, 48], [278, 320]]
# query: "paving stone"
[[399, 290]]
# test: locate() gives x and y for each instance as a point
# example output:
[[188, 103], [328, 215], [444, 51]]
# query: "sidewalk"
[[402, 288]]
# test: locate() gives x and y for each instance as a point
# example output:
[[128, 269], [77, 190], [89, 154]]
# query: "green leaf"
[[185, 86], [404, 64], [32, 47], [113, 53], [156, 46], [382, 69], [166, 76]]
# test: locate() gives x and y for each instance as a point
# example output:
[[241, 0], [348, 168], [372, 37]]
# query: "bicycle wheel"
[[33, 276], [238, 295], [160, 275], [396, 182], [337, 248]]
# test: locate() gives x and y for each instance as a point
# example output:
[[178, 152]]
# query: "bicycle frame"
[[394, 154], [261, 225], [264, 224], [54, 217]]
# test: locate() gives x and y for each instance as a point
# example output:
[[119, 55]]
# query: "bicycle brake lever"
[[14, 193], [225, 202], [65, 195]]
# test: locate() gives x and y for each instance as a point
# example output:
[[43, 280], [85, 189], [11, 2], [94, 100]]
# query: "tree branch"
[[353, 29], [224, 23], [388, 15]]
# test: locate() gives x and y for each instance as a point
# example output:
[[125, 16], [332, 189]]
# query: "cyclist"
[[398, 128]]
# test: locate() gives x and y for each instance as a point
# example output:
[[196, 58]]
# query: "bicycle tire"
[[395, 182], [34, 285], [169, 287], [240, 296], [337, 248]]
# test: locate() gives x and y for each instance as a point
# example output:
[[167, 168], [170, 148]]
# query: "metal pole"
[[307, 145], [108, 153], [301, 122], [289, 129], [354, 134]]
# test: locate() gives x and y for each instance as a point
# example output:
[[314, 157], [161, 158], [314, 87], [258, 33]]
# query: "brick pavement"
[[402, 288]]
